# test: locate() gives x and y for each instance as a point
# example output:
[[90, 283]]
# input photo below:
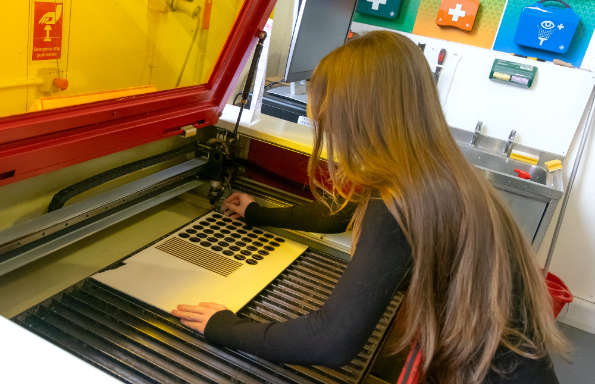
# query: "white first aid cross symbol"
[[457, 12], [376, 3]]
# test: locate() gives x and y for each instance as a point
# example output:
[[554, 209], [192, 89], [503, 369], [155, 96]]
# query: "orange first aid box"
[[458, 13]]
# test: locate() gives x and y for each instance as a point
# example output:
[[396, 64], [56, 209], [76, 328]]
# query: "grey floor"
[[581, 370]]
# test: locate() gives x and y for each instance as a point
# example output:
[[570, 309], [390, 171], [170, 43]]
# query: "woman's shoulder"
[[377, 211], [379, 222], [378, 208]]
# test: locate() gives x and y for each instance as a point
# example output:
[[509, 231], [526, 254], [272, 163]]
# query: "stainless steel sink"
[[532, 202], [503, 164]]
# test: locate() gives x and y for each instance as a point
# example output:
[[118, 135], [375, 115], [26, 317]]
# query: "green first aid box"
[[388, 9]]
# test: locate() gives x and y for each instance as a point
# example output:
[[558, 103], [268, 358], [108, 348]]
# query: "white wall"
[[285, 13]]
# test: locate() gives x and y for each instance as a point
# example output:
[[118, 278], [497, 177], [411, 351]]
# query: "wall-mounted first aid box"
[[547, 25], [388, 9]]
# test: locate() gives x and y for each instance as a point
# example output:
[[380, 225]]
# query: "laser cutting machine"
[[109, 201]]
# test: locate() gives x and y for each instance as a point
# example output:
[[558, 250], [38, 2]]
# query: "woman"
[[477, 303]]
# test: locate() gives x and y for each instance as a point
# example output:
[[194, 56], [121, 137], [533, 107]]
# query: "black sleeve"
[[314, 217], [515, 369], [334, 334]]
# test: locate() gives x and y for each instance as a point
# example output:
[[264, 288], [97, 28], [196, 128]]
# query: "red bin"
[[559, 291]]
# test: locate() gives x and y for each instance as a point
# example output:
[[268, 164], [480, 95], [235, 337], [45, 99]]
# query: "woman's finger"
[[231, 207], [233, 197], [199, 326], [190, 308], [230, 213], [191, 316]]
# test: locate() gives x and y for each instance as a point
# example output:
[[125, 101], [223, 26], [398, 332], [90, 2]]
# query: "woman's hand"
[[197, 316], [236, 204]]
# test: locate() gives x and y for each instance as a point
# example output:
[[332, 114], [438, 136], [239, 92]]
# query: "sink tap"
[[509, 143], [477, 133]]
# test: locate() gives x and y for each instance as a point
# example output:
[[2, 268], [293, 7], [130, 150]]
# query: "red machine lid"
[[38, 142]]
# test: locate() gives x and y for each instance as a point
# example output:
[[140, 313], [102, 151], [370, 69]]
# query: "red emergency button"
[[61, 83]]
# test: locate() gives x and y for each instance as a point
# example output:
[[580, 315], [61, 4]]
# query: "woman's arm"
[[313, 217], [334, 334]]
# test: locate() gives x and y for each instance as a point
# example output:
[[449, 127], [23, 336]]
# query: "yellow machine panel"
[[64, 52]]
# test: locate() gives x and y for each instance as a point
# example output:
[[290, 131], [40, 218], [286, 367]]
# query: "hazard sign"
[[47, 31]]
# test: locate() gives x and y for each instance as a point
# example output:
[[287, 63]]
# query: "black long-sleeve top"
[[335, 333]]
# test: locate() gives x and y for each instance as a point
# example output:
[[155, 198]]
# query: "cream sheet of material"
[[164, 281]]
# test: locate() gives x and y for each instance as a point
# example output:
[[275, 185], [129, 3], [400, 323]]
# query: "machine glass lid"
[[84, 79], [72, 52]]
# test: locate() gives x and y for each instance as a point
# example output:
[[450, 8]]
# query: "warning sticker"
[[47, 31]]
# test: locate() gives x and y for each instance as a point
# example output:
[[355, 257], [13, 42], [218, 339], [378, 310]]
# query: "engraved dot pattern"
[[233, 239]]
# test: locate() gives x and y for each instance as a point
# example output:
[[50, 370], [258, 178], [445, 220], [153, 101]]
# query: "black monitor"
[[321, 26]]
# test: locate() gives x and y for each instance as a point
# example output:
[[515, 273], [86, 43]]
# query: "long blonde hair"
[[475, 285]]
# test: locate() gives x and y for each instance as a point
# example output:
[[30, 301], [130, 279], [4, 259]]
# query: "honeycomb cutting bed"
[[140, 343]]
